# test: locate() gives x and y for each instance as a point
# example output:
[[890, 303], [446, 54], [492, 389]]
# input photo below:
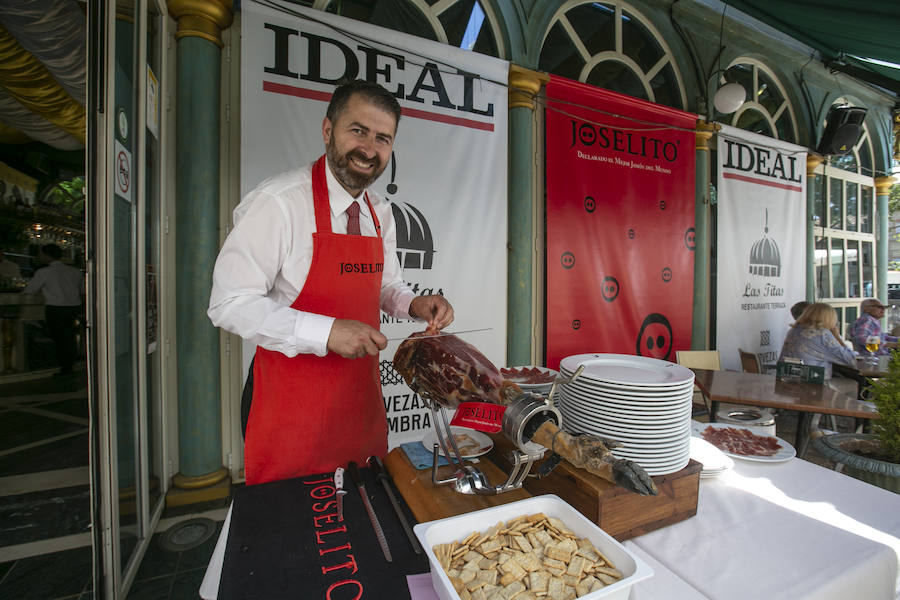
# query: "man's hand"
[[435, 309], [354, 339]]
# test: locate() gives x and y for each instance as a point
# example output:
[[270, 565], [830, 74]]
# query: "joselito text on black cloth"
[[286, 541]]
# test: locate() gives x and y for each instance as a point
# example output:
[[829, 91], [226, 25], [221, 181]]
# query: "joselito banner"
[[761, 245], [447, 176], [620, 224]]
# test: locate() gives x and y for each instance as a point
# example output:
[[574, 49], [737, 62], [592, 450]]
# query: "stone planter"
[[846, 448]]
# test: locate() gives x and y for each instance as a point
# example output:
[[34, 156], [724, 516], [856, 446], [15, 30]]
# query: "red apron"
[[312, 414]]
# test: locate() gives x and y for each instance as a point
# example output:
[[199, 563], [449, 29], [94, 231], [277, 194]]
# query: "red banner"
[[482, 416], [620, 224]]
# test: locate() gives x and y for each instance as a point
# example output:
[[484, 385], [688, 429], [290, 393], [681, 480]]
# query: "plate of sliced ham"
[[740, 442], [530, 378]]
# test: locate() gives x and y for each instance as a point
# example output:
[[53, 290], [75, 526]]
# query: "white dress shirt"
[[266, 258], [60, 284]]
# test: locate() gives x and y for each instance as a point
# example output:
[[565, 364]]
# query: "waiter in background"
[[311, 259]]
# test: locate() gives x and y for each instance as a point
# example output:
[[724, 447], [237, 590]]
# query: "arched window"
[[844, 220], [467, 24], [766, 110], [612, 46]]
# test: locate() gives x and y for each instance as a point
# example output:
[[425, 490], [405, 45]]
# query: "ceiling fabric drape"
[[43, 72]]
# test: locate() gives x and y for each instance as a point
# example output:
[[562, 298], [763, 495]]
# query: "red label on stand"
[[479, 415]]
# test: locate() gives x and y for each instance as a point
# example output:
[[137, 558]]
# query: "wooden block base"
[[619, 512]]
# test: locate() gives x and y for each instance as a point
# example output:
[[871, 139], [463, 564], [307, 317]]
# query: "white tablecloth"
[[763, 531], [789, 530]]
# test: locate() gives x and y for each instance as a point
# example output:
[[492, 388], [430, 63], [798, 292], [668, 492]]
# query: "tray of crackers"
[[539, 548]]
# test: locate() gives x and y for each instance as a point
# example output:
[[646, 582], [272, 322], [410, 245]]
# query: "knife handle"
[[377, 468], [354, 474], [339, 478]]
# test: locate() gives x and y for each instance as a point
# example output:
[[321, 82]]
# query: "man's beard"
[[340, 166]]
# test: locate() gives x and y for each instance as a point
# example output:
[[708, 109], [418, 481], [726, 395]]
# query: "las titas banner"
[[761, 243], [446, 180], [620, 224]]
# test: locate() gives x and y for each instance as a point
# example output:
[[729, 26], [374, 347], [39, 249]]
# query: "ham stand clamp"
[[520, 420]]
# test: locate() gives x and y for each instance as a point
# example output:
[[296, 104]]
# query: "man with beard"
[[311, 259]]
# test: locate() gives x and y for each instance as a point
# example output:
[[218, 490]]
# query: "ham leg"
[[450, 371]]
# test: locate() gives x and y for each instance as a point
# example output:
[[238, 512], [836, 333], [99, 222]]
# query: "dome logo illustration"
[[415, 244], [765, 258]]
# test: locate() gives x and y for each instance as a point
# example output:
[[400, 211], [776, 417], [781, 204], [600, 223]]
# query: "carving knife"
[[379, 532], [382, 475], [442, 334], [339, 491]]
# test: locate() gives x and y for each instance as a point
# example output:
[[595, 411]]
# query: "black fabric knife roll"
[[286, 541]]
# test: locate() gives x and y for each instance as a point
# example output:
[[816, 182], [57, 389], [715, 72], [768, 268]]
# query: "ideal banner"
[[620, 224], [761, 243], [447, 178]]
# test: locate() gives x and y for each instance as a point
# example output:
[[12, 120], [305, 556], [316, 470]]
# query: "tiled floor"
[[45, 551]]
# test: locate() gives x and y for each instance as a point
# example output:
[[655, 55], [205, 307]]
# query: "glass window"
[[836, 259], [852, 190], [626, 53], [835, 204], [868, 269], [755, 121], [766, 109], [854, 290], [866, 210], [818, 200], [445, 21], [822, 288]]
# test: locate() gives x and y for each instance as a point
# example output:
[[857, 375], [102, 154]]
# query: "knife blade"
[[382, 475], [373, 518], [339, 491], [442, 334]]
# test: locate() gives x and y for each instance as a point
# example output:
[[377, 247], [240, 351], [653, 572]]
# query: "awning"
[[850, 35]]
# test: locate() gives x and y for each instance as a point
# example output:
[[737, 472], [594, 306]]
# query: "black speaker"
[[842, 130]]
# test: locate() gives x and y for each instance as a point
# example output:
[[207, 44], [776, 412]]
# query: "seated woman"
[[815, 339]]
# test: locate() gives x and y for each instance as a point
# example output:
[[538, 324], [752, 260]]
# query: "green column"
[[882, 237], [812, 161], [197, 239], [524, 85], [700, 317]]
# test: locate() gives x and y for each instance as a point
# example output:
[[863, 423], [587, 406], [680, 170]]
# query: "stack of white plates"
[[642, 402]]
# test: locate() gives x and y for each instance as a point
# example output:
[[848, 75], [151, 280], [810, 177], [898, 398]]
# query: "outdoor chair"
[[699, 359]]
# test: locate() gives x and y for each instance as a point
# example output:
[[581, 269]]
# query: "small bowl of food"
[[531, 378]]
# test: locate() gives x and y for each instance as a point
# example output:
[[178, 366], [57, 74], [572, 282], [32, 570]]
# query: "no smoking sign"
[[122, 170]]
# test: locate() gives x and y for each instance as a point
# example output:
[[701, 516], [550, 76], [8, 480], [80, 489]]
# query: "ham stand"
[[520, 420]]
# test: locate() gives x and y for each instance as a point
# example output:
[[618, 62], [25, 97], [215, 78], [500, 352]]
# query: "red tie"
[[353, 219]]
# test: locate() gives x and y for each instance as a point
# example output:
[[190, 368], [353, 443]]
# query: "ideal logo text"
[[373, 65], [761, 161]]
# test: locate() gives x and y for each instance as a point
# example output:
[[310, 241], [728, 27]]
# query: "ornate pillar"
[[700, 330], [812, 162], [201, 475], [882, 236], [524, 85]]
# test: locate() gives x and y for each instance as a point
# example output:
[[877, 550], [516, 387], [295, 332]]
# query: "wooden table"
[[754, 389]]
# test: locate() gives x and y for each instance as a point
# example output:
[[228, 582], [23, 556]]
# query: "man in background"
[[869, 324], [63, 289]]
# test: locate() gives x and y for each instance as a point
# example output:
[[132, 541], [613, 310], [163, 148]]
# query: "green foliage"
[[886, 396]]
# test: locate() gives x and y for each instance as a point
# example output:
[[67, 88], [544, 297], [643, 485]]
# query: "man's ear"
[[326, 129]]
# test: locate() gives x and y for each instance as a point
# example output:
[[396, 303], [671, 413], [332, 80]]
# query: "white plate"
[[471, 443], [714, 461], [626, 388], [627, 370], [643, 398], [785, 452]]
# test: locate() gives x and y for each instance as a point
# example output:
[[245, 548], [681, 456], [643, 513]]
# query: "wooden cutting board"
[[429, 501]]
